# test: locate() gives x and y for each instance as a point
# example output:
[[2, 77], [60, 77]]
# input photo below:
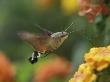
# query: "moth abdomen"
[[34, 58], [33, 61]]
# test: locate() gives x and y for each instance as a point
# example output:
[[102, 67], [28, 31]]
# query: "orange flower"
[[44, 4], [85, 73], [92, 8], [7, 71], [55, 67], [99, 58]]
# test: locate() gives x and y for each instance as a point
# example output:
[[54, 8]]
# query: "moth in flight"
[[43, 44]]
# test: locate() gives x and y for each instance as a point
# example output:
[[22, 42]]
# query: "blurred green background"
[[22, 15]]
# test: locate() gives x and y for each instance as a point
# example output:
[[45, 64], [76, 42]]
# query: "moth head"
[[62, 35]]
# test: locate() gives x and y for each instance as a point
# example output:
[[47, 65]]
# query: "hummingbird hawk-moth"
[[43, 44]]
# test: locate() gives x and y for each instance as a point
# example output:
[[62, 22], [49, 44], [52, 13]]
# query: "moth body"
[[43, 44]]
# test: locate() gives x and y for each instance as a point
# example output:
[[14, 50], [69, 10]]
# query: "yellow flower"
[[85, 74], [99, 58], [69, 6]]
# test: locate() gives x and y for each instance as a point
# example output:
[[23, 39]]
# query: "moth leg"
[[46, 54], [39, 55]]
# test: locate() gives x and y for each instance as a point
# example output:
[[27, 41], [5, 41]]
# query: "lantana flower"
[[92, 8], [7, 71], [69, 6], [85, 73], [56, 67], [99, 58]]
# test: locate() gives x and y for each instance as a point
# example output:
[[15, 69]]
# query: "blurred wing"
[[37, 42], [44, 30]]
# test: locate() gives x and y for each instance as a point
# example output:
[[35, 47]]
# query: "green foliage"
[[24, 72]]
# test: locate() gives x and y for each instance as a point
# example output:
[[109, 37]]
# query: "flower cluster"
[[55, 67], [96, 60], [99, 58], [69, 6], [89, 8], [92, 8], [85, 74], [7, 71]]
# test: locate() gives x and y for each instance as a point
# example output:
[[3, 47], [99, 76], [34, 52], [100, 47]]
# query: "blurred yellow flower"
[[69, 6], [99, 58], [85, 73]]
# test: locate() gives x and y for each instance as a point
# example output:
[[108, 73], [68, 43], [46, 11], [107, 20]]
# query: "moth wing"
[[37, 42], [48, 32]]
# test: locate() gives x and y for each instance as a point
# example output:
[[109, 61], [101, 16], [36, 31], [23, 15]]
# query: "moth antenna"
[[75, 26], [75, 30], [69, 26]]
